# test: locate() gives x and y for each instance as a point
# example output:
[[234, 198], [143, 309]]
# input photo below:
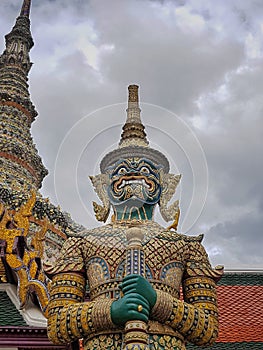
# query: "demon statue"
[[118, 286]]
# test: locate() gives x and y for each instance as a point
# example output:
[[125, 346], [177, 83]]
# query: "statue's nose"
[[133, 172]]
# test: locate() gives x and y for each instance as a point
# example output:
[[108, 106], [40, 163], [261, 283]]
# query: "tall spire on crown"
[[133, 141], [20, 165], [133, 130]]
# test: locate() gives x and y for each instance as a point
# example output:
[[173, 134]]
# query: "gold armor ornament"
[[87, 277]]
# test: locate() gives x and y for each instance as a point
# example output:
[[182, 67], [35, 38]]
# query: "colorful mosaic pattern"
[[98, 258]]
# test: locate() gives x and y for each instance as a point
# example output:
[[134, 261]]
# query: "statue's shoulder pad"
[[175, 236], [198, 238]]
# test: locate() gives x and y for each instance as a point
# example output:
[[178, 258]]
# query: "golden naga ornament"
[[25, 261]]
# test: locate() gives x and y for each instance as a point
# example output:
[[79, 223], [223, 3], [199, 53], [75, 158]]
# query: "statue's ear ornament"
[[169, 184], [100, 183]]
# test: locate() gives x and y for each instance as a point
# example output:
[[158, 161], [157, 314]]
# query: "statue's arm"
[[195, 317], [196, 320], [69, 316]]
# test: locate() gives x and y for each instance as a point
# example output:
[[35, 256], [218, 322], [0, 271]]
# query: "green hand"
[[138, 284], [126, 309]]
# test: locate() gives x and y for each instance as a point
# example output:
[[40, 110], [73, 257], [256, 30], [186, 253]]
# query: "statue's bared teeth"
[[130, 182]]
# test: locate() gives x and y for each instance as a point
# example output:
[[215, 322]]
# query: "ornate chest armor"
[[106, 254], [172, 261]]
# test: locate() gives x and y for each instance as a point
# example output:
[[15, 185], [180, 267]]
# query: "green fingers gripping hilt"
[[138, 284], [132, 306]]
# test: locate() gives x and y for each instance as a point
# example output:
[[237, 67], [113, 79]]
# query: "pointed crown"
[[134, 141]]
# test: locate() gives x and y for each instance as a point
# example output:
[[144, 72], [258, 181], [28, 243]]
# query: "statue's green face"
[[135, 182]]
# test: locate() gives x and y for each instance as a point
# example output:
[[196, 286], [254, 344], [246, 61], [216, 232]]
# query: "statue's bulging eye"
[[145, 170], [122, 171]]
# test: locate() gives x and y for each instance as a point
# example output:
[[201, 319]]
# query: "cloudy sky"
[[199, 64]]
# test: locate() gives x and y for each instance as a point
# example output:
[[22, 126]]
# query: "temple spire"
[[20, 164], [15, 61], [133, 130], [25, 10]]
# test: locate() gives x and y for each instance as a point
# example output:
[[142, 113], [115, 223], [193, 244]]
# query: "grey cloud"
[[237, 242]]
